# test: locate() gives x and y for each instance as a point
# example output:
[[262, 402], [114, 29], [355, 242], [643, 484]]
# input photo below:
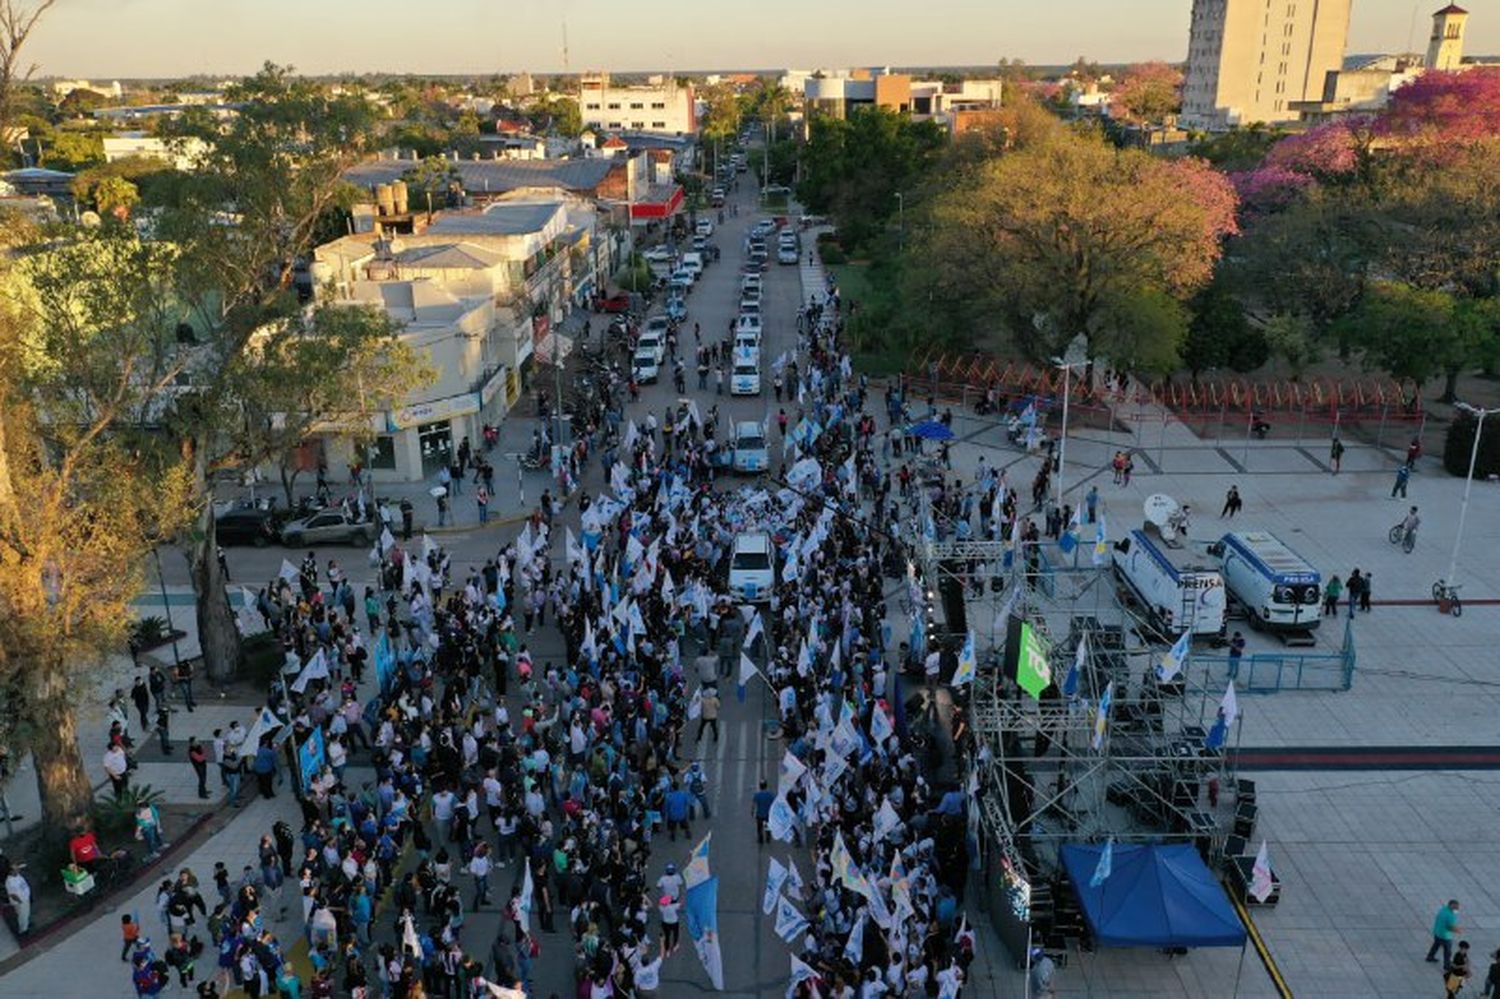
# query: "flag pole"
[[1240, 970]]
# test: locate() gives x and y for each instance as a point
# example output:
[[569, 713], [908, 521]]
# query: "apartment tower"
[[1249, 60]]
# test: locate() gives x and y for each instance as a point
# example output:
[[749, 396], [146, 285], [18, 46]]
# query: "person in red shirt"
[[84, 848]]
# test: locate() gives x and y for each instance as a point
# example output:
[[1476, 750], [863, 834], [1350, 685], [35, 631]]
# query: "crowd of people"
[[557, 780]]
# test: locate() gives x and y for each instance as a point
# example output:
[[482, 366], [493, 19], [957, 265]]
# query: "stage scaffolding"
[[1047, 771]]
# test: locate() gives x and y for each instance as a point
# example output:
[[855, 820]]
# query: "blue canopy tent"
[[931, 430], [1155, 896]]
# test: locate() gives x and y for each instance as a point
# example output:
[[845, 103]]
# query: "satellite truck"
[[1176, 584]]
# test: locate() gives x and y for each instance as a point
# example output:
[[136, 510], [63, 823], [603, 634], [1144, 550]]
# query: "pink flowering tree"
[[1149, 93], [1440, 108]]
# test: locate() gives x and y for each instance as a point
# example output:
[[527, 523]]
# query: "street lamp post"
[[1074, 356], [900, 223], [1463, 509]]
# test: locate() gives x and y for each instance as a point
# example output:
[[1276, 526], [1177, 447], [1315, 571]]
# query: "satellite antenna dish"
[[1160, 510]]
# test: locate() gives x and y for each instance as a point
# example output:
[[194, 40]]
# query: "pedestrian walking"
[[1091, 503], [163, 724], [1352, 588], [669, 907], [482, 500], [1459, 972], [760, 808], [1364, 592], [117, 767], [140, 694], [1445, 928], [1129, 467], [1403, 475], [182, 675], [709, 713], [1232, 503], [1336, 455], [442, 507]]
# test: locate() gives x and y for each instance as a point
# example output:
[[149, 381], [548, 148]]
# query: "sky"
[[166, 38]]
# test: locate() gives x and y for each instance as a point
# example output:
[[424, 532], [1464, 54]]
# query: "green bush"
[[149, 632], [831, 252], [1459, 444], [115, 817]]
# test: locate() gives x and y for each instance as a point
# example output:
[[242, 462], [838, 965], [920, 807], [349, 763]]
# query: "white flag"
[[790, 923], [1230, 705], [886, 820], [695, 706], [387, 540], [880, 726], [429, 546], [1176, 656], [1261, 881], [288, 571], [854, 947], [793, 876], [747, 670], [315, 668], [775, 878], [668, 589], [523, 903], [801, 971], [574, 549], [792, 770], [757, 627]]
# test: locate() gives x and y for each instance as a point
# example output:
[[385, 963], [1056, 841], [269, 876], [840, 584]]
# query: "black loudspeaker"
[[951, 590]]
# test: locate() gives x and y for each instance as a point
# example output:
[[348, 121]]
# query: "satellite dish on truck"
[[1161, 511]]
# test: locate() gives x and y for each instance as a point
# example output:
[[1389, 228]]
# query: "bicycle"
[[1399, 535], [1443, 590]]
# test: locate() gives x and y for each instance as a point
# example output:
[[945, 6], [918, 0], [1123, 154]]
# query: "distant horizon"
[[173, 39]]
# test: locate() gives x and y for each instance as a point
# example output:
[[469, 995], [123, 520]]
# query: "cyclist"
[[1409, 526]]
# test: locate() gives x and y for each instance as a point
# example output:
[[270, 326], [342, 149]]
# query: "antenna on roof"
[[565, 46]]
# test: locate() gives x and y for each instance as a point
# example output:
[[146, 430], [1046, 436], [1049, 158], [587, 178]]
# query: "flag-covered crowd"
[[543, 789]]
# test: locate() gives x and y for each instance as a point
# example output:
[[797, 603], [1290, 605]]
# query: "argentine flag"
[[1172, 664]]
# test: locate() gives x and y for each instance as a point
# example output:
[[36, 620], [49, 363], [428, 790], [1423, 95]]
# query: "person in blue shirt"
[[762, 811], [265, 768], [676, 808]]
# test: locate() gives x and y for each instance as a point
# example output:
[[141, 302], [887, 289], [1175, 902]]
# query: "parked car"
[[329, 526], [619, 302], [705, 227], [659, 255], [247, 526], [676, 308], [787, 255], [752, 570]]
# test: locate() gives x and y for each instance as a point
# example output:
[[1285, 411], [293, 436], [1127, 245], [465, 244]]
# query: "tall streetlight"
[[1077, 355], [900, 223], [1463, 508]]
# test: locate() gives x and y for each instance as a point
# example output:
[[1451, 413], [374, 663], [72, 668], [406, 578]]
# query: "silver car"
[[329, 526]]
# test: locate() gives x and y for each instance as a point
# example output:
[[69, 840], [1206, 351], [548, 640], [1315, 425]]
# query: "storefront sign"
[[431, 412]]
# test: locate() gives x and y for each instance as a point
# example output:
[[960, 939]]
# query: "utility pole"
[[1463, 510]]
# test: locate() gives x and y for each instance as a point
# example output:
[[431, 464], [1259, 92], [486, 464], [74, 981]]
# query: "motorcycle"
[[491, 436], [1258, 426]]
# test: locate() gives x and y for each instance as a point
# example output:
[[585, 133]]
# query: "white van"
[[752, 569], [692, 262], [1178, 587]]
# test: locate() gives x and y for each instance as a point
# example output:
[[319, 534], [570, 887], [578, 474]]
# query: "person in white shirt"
[[19, 892], [647, 973], [117, 766], [480, 866], [443, 802]]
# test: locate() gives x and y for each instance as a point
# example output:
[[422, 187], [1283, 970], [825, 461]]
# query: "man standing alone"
[[1444, 928]]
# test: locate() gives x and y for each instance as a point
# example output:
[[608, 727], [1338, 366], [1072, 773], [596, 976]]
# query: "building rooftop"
[[497, 176], [503, 218], [1452, 8], [448, 256]]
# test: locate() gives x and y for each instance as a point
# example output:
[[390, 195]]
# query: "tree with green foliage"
[[853, 168], [1149, 93], [115, 196], [274, 169], [73, 150], [1418, 334], [84, 495], [1073, 236], [1220, 335]]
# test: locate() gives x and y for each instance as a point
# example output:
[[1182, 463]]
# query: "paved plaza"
[[1365, 854]]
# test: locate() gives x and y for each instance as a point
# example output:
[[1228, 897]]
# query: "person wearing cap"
[[669, 907]]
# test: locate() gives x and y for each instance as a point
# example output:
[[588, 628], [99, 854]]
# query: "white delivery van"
[[752, 569]]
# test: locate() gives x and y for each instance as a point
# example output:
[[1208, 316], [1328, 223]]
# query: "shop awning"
[[659, 202]]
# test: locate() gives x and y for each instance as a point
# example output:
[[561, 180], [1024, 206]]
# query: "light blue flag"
[[701, 913], [1070, 682], [967, 663], [1106, 864]]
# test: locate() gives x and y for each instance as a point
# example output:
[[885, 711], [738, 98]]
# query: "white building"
[[474, 291], [1250, 60], [664, 107], [62, 88], [183, 154]]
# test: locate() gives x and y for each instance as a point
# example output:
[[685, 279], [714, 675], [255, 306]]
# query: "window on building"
[[658, 105], [658, 124], [636, 106], [591, 107], [613, 124], [382, 453], [637, 124], [614, 106]]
